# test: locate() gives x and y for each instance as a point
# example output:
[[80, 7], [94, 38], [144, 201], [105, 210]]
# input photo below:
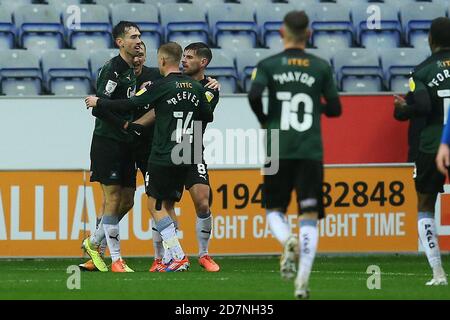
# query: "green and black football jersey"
[[116, 80], [296, 82], [433, 75], [178, 101]]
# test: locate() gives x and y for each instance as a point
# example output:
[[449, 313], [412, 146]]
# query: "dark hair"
[[296, 22], [122, 27], [440, 32], [173, 50], [201, 49]]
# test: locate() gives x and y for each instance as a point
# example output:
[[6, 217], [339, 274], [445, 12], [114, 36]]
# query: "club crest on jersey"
[[110, 86], [209, 96]]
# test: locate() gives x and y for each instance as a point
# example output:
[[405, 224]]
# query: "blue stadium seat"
[[270, 18], [93, 31], [151, 60], [205, 5], [232, 26], [416, 21], [39, 27], [358, 70], [374, 33], [110, 3], [7, 29], [12, 5], [98, 58], [397, 65], [321, 53], [254, 4], [66, 72], [145, 16], [20, 73], [222, 68], [246, 61], [61, 5], [401, 3], [331, 26], [158, 3], [184, 23]]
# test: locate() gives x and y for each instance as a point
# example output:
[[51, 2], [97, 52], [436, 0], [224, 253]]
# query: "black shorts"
[[426, 175], [165, 182], [302, 175], [198, 174], [112, 162]]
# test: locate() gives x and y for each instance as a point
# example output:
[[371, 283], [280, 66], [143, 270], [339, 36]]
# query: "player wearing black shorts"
[[430, 87], [112, 163], [296, 81], [178, 101]]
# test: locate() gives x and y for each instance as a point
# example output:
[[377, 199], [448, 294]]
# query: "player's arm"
[[443, 154], [260, 80], [332, 106], [147, 118], [416, 105], [205, 112]]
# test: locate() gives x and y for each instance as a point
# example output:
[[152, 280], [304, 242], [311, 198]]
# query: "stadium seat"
[[358, 70], [416, 21], [93, 31], [373, 33], [158, 3], [205, 5], [61, 5], [39, 27], [145, 16], [401, 3], [222, 68], [98, 58], [7, 29], [232, 26], [321, 53], [331, 26], [66, 72], [184, 23], [20, 73], [110, 3], [253, 4], [270, 18], [397, 65], [152, 58], [246, 61], [12, 5]]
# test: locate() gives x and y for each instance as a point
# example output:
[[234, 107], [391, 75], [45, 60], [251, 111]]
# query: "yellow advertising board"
[[369, 209]]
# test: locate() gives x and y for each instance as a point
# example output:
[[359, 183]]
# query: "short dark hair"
[[440, 32], [297, 22], [201, 49], [173, 50], [122, 27]]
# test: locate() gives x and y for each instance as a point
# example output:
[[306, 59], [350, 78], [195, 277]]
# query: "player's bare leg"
[[429, 238], [308, 240], [200, 196], [166, 227]]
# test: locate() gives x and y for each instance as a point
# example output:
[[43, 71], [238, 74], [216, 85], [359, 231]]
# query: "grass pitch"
[[333, 277]]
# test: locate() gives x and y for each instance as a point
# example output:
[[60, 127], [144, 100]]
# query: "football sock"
[[157, 242], [111, 227], [168, 233], [203, 228], [308, 239], [429, 238], [278, 226]]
